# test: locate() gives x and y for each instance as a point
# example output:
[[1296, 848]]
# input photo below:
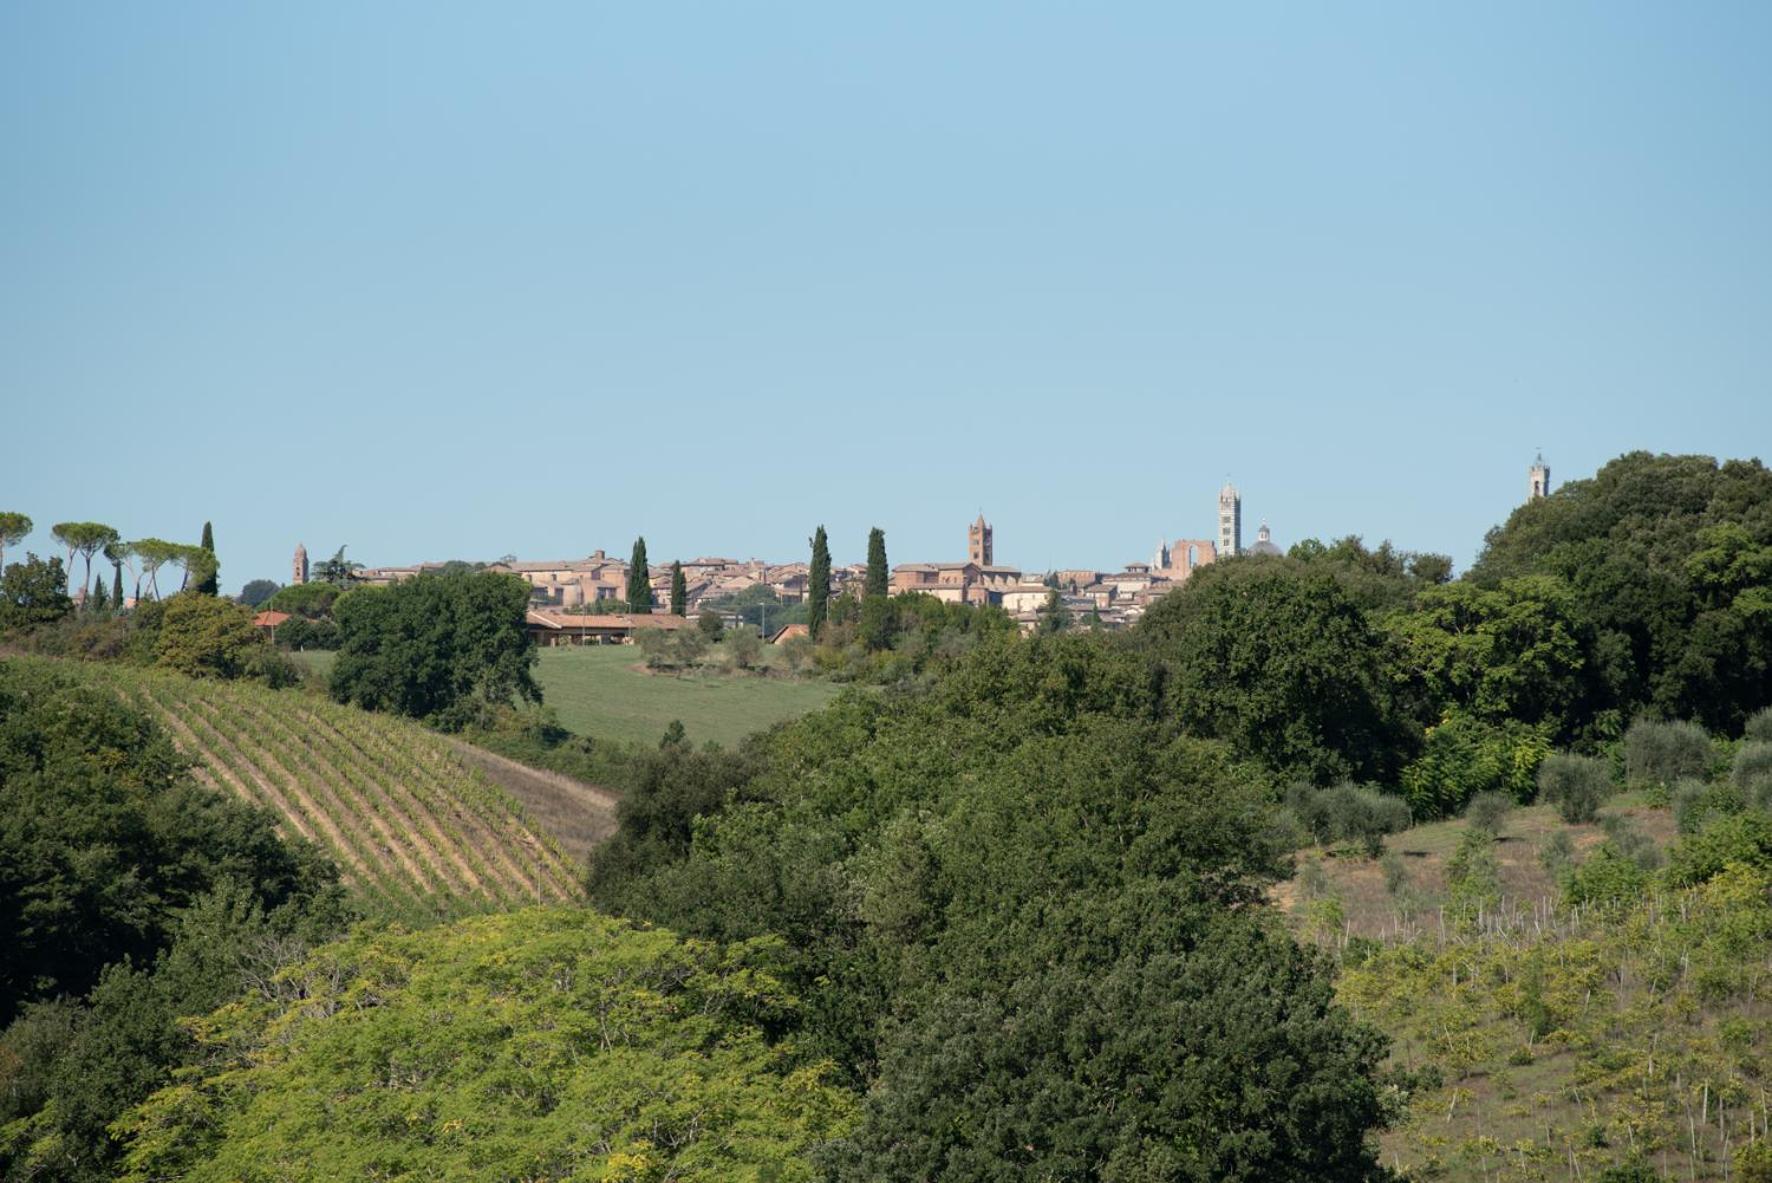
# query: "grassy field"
[[418, 832], [606, 692]]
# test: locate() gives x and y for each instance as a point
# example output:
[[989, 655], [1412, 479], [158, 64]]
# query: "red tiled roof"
[[269, 619]]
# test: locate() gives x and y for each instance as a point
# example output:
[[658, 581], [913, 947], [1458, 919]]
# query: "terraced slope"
[[418, 832]]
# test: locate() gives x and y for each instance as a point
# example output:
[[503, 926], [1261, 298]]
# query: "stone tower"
[[1230, 522], [978, 543], [1538, 477], [299, 569]]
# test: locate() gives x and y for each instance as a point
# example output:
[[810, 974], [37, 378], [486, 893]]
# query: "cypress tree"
[[211, 581], [876, 584], [117, 587], [96, 602], [679, 590], [639, 580], [876, 612], [818, 584]]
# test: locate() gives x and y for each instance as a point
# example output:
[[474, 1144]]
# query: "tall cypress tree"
[[679, 590], [876, 613], [117, 587], [876, 584], [639, 580], [96, 602], [211, 581], [818, 584]]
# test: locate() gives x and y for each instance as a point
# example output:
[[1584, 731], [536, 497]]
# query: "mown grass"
[[606, 692]]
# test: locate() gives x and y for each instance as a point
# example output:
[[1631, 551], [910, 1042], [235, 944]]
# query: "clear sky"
[[437, 281]]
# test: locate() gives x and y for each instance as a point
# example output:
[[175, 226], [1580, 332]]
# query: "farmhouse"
[[573, 628]]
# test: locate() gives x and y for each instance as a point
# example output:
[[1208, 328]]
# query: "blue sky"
[[437, 281]]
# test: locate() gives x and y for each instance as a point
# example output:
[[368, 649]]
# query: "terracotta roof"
[[606, 620], [269, 619]]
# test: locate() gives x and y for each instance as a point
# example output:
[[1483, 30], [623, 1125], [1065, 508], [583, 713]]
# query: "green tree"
[[1517, 650], [208, 637], [879, 579], [257, 591], [85, 539], [1276, 658], [641, 1056], [338, 570], [1054, 616], [818, 583], [153, 553], [14, 529], [639, 580], [436, 647], [116, 585], [679, 590], [95, 600], [34, 592], [208, 585]]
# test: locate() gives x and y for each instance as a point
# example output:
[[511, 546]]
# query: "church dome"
[[1264, 543]]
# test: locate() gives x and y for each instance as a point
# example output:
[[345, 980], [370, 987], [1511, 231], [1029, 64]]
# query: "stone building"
[[299, 569]]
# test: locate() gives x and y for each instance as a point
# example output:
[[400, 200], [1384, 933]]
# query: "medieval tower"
[[1538, 477], [1230, 522], [299, 569], [978, 543]]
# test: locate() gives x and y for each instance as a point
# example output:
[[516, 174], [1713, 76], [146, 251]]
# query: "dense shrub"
[[1347, 812], [208, 637], [1659, 753], [1695, 803], [1607, 876], [1759, 726], [1465, 756], [1489, 810], [1753, 767], [1576, 785], [1744, 838]]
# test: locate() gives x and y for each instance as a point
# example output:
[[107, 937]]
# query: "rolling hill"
[[418, 831]]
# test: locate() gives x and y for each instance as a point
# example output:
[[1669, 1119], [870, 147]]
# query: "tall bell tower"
[[978, 542], [298, 572], [1538, 477], [1230, 522]]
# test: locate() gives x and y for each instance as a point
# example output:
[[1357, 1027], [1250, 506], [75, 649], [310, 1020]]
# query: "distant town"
[[567, 591]]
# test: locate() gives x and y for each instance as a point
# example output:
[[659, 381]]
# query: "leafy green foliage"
[[14, 529], [541, 1044], [1275, 658], [1658, 753], [33, 593], [1513, 652], [203, 636], [1347, 812], [1036, 805], [437, 647], [312, 600], [257, 591], [1669, 560], [1465, 756], [1576, 785], [103, 837]]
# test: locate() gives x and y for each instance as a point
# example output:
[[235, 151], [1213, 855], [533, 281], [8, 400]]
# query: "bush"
[[1753, 768], [1556, 854], [1489, 810], [1658, 753], [206, 637], [745, 646], [1606, 877], [1466, 756], [1347, 813], [1696, 803], [1396, 874], [1744, 838], [1759, 726], [710, 625], [1631, 841], [1575, 785]]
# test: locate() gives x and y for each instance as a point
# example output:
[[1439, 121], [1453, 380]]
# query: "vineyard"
[[419, 834]]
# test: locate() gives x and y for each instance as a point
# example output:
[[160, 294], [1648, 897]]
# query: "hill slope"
[[418, 832]]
